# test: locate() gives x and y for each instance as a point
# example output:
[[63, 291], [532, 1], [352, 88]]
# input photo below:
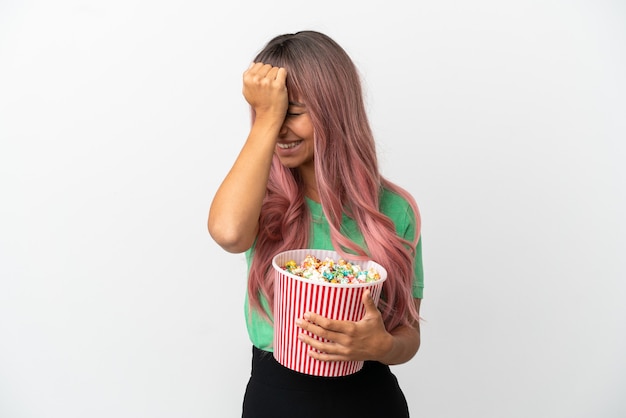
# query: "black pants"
[[275, 391]]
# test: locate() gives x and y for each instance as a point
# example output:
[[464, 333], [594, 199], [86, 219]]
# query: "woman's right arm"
[[234, 214]]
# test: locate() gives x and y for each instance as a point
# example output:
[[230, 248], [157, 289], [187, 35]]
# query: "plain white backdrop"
[[119, 119]]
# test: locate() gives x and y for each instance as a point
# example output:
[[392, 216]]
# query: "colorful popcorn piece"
[[331, 271]]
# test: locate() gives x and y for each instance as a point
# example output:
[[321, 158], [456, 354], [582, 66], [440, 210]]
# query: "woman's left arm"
[[366, 339], [406, 341]]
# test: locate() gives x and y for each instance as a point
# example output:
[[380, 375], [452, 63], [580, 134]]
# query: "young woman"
[[307, 177]]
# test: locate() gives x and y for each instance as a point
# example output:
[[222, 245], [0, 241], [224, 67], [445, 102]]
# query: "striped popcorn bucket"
[[293, 296]]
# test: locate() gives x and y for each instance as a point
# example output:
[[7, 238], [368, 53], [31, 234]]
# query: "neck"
[[310, 184]]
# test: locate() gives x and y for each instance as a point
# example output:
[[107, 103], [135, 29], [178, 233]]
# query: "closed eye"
[[296, 109]]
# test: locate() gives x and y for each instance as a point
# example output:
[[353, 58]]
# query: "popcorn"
[[329, 271]]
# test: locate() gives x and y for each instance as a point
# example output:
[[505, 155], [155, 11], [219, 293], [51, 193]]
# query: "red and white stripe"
[[293, 296]]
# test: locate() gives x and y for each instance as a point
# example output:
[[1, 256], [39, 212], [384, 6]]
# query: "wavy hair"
[[322, 76]]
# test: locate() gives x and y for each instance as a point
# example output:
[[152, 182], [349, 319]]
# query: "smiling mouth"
[[288, 145]]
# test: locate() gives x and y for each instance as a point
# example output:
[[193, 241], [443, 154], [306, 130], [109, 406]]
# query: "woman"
[[307, 177]]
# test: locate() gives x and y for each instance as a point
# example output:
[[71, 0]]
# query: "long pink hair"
[[322, 76]]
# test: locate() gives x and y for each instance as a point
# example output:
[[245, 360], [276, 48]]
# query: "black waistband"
[[266, 370]]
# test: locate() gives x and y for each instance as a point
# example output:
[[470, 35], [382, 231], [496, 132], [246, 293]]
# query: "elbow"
[[405, 343], [417, 345], [417, 341], [229, 238], [413, 348]]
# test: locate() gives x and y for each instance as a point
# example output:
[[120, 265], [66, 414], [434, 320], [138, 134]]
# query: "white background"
[[119, 119]]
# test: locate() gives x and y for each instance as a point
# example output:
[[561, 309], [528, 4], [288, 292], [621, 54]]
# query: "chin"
[[289, 164]]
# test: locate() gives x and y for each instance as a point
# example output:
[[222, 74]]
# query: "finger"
[[325, 350], [281, 75], [368, 302], [326, 323], [271, 74], [319, 331], [258, 70], [326, 347], [264, 70], [253, 67]]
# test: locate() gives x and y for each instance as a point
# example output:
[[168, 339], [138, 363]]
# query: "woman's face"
[[294, 146]]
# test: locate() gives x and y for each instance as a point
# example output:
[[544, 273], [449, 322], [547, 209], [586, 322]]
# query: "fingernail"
[[298, 321]]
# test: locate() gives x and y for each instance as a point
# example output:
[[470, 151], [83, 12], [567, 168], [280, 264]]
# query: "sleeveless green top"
[[261, 332]]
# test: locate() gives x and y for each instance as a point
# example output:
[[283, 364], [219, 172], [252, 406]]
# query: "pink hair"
[[322, 76]]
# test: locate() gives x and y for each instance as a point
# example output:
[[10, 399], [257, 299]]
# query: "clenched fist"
[[265, 88]]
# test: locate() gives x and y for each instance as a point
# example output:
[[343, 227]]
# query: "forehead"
[[294, 88]]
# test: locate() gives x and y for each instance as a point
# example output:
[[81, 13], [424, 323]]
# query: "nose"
[[283, 129]]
